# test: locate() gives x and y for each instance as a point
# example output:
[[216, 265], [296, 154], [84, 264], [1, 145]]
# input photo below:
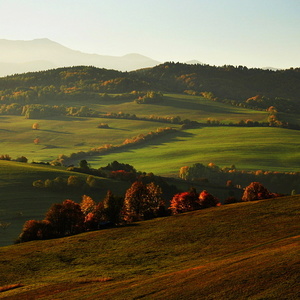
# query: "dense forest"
[[240, 86]]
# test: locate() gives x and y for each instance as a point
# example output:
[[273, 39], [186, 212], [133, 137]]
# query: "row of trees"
[[287, 181], [141, 202], [72, 182], [141, 138]]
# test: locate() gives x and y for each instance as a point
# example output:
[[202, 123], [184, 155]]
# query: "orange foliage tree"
[[207, 200], [183, 202], [256, 191], [35, 126]]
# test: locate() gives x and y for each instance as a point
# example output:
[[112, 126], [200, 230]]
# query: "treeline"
[[40, 111], [140, 202], [66, 160], [114, 170], [241, 86], [231, 176]]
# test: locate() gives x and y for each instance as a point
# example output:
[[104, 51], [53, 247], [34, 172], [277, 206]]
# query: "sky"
[[252, 33]]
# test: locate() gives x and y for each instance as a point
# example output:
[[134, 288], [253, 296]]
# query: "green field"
[[239, 251], [187, 107], [247, 148], [251, 148], [65, 135]]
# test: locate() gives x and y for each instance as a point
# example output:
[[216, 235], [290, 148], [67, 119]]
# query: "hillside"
[[240, 251]]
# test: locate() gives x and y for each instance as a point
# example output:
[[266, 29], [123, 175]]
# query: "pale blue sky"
[[254, 33]]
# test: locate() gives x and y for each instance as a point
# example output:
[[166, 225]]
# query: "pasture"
[[252, 148], [244, 251]]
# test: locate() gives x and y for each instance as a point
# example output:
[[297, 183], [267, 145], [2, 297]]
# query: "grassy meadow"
[[187, 107], [65, 135], [247, 148], [239, 251], [253, 148]]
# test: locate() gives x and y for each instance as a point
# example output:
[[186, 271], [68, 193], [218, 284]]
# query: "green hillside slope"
[[247, 148], [240, 251]]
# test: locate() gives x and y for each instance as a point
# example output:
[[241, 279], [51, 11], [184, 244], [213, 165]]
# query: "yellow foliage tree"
[[35, 126]]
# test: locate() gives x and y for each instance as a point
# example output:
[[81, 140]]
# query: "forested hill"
[[241, 86]]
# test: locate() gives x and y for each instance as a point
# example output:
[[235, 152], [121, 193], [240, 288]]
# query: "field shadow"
[[162, 140], [50, 147], [55, 131], [121, 129], [66, 118], [7, 130]]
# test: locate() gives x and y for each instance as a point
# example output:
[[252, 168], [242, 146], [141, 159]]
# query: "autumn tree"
[[35, 126], [207, 200], [94, 220], [183, 202], [36, 141], [66, 218], [35, 230], [256, 191], [141, 201], [87, 205]]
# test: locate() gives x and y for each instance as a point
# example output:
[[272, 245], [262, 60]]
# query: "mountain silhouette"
[[42, 54]]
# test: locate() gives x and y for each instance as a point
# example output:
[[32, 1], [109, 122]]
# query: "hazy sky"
[[253, 33]]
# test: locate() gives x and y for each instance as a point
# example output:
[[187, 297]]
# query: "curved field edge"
[[239, 251]]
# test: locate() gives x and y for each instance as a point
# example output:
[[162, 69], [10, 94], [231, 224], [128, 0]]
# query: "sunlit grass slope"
[[65, 135], [20, 201], [187, 107], [247, 148], [239, 251]]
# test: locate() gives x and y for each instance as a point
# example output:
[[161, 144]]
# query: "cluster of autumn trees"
[[141, 202], [9, 158]]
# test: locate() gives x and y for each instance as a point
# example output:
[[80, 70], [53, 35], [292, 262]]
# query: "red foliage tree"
[[256, 191], [66, 218], [184, 202], [208, 200], [35, 230]]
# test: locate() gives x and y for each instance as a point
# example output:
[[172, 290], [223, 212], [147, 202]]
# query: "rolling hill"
[[239, 251]]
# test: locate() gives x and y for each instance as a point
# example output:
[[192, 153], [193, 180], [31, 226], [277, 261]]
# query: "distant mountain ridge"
[[42, 54]]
